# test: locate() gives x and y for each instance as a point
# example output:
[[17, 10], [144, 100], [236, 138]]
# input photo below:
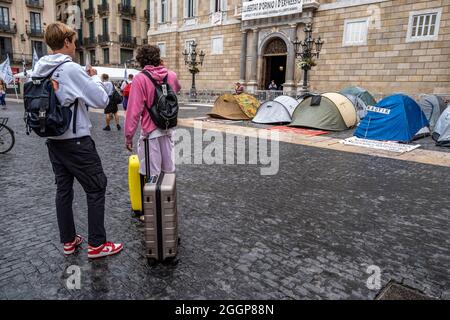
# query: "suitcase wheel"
[[171, 261], [152, 262]]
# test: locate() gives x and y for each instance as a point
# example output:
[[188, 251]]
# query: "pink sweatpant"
[[162, 155]]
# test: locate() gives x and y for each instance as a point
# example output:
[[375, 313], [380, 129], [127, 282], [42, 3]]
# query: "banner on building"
[[270, 8]]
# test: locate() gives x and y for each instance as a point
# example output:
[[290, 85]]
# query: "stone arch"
[[267, 39]]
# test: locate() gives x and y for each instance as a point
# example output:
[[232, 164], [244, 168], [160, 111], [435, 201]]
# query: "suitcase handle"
[[147, 159]]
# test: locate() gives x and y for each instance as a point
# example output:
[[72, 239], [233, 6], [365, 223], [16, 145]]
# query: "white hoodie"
[[73, 82]]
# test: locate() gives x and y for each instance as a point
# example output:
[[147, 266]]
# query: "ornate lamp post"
[[305, 52], [190, 59]]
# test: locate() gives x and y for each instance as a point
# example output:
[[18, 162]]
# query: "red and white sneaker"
[[70, 247], [107, 249]]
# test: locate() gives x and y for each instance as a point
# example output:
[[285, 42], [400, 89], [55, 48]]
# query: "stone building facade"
[[22, 24], [383, 45], [109, 31], [213, 24]]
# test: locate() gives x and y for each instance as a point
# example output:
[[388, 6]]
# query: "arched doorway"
[[274, 63]]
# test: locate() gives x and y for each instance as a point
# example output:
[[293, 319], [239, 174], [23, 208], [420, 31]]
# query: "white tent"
[[441, 132], [278, 111], [115, 74]]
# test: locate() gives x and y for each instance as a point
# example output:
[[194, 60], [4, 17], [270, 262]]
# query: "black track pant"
[[78, 158]]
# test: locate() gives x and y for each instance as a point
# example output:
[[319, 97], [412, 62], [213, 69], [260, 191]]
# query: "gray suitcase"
[[160, 211]]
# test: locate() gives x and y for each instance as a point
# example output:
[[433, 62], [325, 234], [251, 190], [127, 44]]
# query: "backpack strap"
[[75, 113], [37, 80], [151, 78]]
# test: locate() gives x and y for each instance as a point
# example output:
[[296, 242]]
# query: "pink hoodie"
[[143, 93]]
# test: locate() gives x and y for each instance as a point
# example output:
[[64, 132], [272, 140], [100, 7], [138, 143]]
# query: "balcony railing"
[[89, 13], [128, 41], [128, 11], [35, 31], [38, 4], [90, 42], [103, 9], [8, 28], [103, 39]]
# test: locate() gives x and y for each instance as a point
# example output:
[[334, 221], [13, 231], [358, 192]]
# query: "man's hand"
[[91, 72], [129, 147]]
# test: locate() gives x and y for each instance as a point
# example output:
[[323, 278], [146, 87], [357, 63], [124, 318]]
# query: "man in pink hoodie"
[[142, 95]]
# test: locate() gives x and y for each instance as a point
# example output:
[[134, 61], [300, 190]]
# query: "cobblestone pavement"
[[309, 232]]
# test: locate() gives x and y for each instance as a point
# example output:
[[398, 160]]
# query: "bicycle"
[[7, 138]]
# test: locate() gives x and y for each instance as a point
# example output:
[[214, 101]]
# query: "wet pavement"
[[316, 230]]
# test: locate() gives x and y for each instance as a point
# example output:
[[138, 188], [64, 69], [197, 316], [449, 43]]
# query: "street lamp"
[[305, 52], [190, 59]]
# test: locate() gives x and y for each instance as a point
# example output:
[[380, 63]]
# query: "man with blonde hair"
[[73, 154]]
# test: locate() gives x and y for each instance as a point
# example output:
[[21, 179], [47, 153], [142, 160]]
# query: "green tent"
[[329, 111], [361, 93]]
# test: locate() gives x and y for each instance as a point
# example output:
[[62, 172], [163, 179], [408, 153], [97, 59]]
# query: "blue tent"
[[395, 118]]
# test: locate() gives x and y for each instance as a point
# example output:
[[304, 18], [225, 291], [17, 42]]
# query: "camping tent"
[[361, 93], [115, 74], [235, 107], [395, 118], [329, 111], [360, 106], [432, 106], [441, 132], [279, 110]]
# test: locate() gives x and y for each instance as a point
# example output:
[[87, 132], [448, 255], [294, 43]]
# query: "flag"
[[88, 62], [125, 75], [24, 65], [35, 58], [6, 72]]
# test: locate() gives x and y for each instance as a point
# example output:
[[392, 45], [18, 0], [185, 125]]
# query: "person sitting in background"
[[239, 88], [273, 85]]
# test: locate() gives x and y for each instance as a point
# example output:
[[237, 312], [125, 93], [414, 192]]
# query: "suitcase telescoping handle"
[[147, 158]]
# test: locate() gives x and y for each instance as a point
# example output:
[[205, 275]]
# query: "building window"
[[187, 45], [126, 28], [35, 22], [40, 47], [217, 45], [105, 27], [162, 49], [5, 48], [126, 55], [91, 30], [355, 32], [81, 58], [4, 16], [106, 56], [189, 8], [92, 57], [424, 25], [163, 11], [217, 6]]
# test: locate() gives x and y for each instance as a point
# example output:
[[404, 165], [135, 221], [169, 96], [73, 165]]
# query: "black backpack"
[[43, 113], [164, 111]]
